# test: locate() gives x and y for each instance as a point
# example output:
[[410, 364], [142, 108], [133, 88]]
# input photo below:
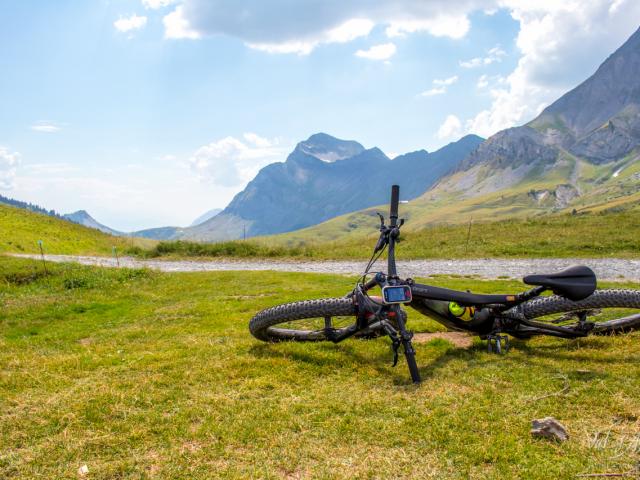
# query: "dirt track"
[[606, 269]]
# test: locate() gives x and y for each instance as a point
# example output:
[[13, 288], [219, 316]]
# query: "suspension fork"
[[409, 352]]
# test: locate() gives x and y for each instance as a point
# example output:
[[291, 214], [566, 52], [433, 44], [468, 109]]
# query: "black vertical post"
[[466, 247]]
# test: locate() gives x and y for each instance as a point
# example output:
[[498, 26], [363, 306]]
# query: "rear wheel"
[[305, 321], [611, 311]]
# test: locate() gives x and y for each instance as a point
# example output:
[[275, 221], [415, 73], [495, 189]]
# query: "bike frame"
[[493, 315]]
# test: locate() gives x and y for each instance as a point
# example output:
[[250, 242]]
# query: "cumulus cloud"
[[9, 162], [493, 55], [177, 27], [282, 26], [561, 44], [450, 128], [378, 52], [440, 86], [231, 162], [45, 127], [127, 24]]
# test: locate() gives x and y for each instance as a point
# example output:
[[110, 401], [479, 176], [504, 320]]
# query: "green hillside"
[[21, 229]]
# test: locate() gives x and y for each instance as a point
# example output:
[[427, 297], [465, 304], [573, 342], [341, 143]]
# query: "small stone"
[[549, 428], [83, 470]]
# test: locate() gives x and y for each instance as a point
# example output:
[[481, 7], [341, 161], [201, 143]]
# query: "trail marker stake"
[[115, 254], [44, 264]]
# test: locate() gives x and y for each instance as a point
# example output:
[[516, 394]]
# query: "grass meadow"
[[138, 374]]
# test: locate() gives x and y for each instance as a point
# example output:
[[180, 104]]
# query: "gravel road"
[[606, 269]]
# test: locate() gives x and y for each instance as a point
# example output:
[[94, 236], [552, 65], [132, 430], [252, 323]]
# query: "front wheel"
[[611, 311], [306, 321]]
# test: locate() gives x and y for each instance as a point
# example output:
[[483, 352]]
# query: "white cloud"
[[439, 26], [349, 30], [45, 127], [258, 141], [231, 162], [562, 43], [346, 32], [495, 81], [177, 27], [440, 86], [446, 81], [450, 128], [378, 52], [493, 55], [9, 162], [155, 4], [127, 24], [434, 91], [283, 26]]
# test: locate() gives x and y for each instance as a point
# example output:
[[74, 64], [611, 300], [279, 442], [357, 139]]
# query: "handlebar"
[[395, 200]]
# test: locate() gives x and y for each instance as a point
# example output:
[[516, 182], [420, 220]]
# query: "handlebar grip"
[[395, 200]]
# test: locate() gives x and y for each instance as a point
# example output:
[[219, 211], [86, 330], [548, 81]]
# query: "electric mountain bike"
[[575, 309]]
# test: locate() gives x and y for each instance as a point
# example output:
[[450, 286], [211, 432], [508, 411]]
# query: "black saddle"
[[574, 283]]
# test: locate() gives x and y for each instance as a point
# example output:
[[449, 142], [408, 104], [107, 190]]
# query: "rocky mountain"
[[598, 121], [581, 154], [82, 217], [324, 177]]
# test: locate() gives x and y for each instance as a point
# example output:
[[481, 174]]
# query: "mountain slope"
[[21, 229], [27, 206], [581, 153], [322, 178]]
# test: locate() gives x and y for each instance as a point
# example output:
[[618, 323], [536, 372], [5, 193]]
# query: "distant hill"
[[81, 217]]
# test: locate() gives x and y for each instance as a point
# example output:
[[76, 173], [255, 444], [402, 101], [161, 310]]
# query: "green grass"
[[20, 231], [145, 375], [588, 235]]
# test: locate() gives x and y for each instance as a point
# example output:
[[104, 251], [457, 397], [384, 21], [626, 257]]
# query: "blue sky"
[[150, 112]]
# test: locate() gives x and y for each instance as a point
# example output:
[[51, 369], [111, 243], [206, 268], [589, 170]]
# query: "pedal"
[[500, 342]]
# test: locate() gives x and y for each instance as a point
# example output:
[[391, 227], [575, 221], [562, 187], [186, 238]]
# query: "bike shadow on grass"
[[582, 350], [440, 353]]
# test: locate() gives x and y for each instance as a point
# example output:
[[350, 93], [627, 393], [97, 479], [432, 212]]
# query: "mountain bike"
[[576, 308]]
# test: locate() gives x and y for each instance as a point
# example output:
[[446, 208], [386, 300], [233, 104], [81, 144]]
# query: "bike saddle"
[[574, 283]]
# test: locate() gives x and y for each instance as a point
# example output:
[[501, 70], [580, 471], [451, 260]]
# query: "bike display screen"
[[396, 294]]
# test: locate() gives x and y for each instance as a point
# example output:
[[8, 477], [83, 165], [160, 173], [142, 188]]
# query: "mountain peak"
[[82, 217], [329, 149], [590, 105]]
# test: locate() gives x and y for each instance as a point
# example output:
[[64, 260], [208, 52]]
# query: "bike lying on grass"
[[576, 308]]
